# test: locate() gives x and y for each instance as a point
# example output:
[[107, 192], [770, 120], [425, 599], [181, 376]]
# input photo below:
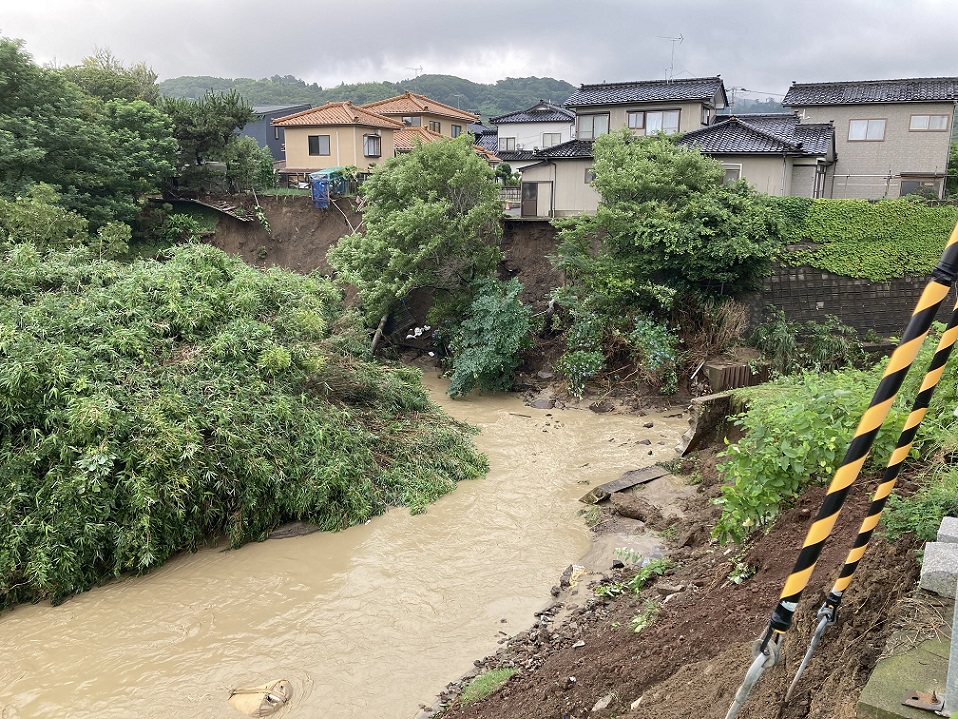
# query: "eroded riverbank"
[[370, 622]]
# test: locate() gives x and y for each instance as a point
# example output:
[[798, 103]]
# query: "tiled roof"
[[768, 134], [337, 113], [488, 139], [407, 137], [921, 89], [266, 109], [572, 149], [704, 89], [542, 112], [517, 155], [410, 103]]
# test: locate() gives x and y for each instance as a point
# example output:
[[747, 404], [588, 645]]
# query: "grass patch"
[[922, 512], [484, 685]]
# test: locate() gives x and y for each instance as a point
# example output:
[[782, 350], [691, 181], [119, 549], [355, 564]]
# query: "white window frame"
[[731, 167], [916, 121], [507, 144], [368, 142], [650, 115], [589, 120], [557, 136], [412, 121], [870, 126]]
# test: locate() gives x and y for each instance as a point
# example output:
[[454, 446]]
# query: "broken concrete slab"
[[707, 413], [948, 531], [629, 479], [894, 678], [939, 568]]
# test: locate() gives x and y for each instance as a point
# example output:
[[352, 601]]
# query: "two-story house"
[[413, 110], [559, 183], [521, 134], [776, 153], [892, 137], [336, 134], [262, 129]]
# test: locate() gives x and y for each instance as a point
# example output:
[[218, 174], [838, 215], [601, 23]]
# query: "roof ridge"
[[758, 131], [629, 83], [872, 82]]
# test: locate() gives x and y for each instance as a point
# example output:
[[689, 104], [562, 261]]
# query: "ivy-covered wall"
[[864, 262], [869, 240]]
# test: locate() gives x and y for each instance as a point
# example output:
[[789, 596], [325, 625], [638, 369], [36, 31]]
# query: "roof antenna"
[[673, 40], [417, 70]]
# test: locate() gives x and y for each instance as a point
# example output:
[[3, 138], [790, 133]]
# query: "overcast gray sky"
[[760, 45]]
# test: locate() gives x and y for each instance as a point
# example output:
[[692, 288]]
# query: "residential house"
[[521, 134], [559, 183], [337, 134], [408, 138], [892, 136], [776, 153], [265, 132], [413, 110]]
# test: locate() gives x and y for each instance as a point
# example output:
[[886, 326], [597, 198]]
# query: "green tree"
[[952, 184], [432, 219], [665, 225], [104, 76], [204, 128], [248, 165]]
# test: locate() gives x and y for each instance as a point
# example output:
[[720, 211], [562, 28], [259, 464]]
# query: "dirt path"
[[691, 660]]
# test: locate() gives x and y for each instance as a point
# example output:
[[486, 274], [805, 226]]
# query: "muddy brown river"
[[367, 623]]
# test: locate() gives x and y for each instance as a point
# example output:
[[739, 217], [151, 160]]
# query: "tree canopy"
[[432, 222]]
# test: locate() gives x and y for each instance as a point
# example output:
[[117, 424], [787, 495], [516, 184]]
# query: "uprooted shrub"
[[147, 409]]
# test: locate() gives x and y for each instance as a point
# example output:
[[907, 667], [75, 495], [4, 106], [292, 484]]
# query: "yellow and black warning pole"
[[768, 649], [827, 614]]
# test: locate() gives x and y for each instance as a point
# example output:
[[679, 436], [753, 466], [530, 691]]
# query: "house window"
[[866, 130], [927, 187], [412, 121], [929, 123], [507, 144], [591, 126], [372, 145], [551, 138], [318, 144], [456, 130], [733, 173], [706, 115], [435, 126], [589, 175], [666, 121]]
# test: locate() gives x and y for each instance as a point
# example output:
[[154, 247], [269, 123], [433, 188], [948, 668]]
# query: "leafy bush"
[[872, 240], [486, 345], [145, 409], [657, 350], [790, 346], [797, 430], [922, 512]]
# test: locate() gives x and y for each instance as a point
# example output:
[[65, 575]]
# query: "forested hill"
[[513, 93]]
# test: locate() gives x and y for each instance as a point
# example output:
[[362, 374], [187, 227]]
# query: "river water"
[[367, 623]]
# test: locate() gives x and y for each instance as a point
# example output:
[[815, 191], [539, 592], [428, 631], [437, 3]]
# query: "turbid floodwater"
[[367, 623]]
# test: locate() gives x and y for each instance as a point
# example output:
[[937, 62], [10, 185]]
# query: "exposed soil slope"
[[690, 662]]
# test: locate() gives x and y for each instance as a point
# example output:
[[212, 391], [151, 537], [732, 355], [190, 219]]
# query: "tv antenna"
[[672, 40], [417, 70]]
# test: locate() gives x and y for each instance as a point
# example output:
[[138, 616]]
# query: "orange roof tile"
[[337, 113], [410, 103], [406, 138]]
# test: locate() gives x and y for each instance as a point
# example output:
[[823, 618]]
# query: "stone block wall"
[[806, 293]]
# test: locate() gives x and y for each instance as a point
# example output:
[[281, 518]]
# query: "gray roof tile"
[[759, 135], [543, 111], [704, 89], [573, 149], [921, 89]]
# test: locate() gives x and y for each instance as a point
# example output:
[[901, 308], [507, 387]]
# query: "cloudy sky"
[[759, 45]]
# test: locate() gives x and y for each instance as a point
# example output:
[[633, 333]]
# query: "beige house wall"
[[571, 194], [345, 147], [771, 175], [868, 169], [445, 123], [690, 113], [529, 134]]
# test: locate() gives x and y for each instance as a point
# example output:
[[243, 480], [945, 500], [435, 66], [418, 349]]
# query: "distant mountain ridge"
[[508, 95]]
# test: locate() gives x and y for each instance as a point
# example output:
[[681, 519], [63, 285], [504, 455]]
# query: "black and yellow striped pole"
[[768, 648], [828, 611]]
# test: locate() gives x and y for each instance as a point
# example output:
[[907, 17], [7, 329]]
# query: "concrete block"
[[939, 568], [922, 669], [948, 531]]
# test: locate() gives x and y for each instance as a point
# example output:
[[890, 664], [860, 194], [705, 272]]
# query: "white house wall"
[[528, 135]]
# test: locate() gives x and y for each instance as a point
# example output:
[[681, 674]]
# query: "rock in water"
[[263, 700]]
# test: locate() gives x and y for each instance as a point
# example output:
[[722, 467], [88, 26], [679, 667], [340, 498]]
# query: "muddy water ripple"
[[367, 623]]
